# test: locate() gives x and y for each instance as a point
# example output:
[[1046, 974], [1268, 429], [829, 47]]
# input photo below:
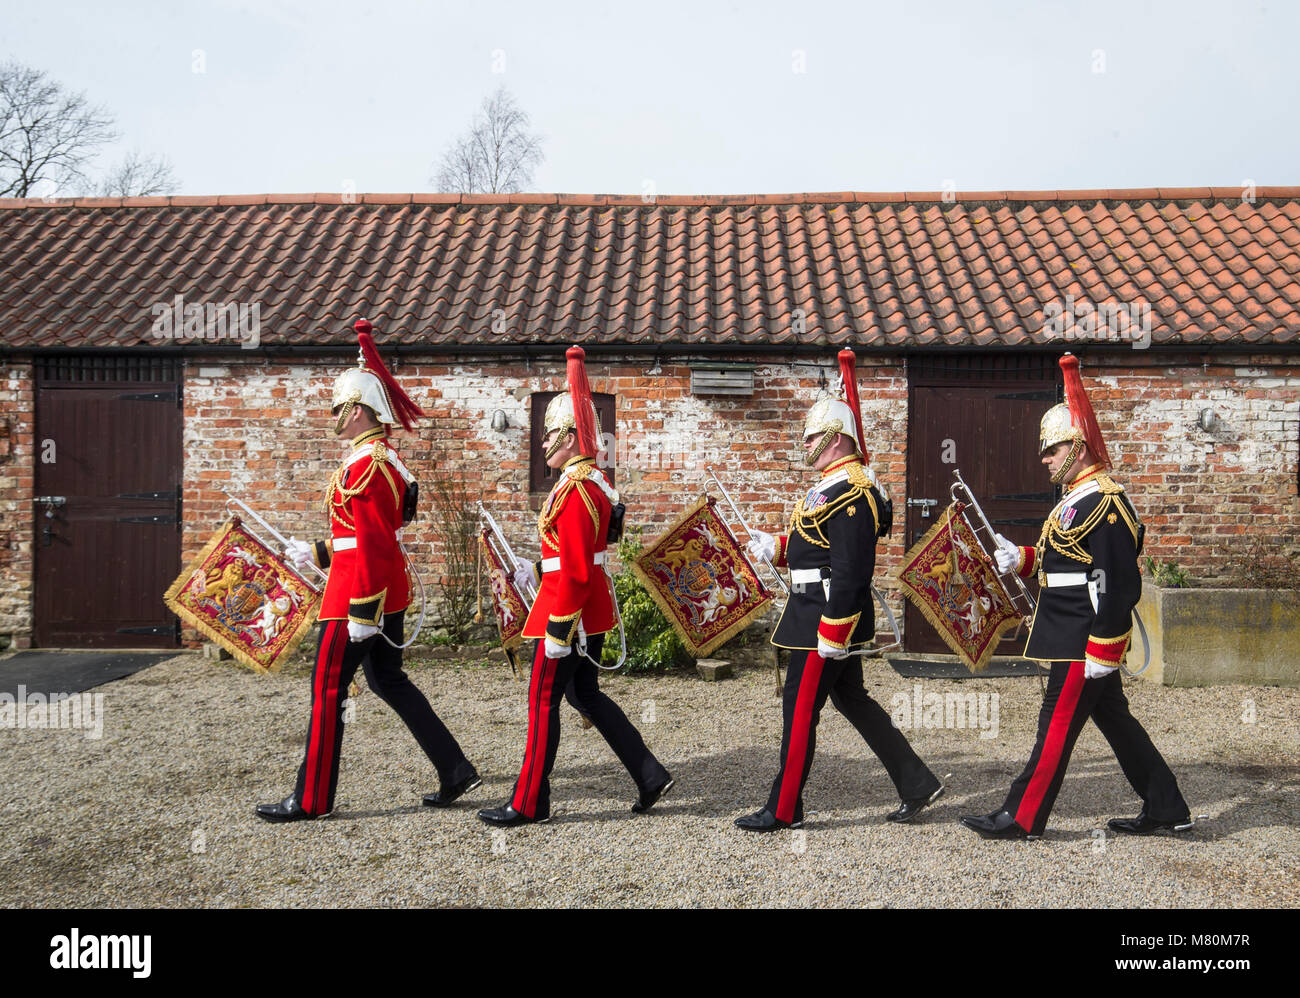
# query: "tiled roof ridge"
[[1212, 194]]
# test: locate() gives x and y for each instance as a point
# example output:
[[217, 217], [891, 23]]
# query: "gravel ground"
[[159, 810]]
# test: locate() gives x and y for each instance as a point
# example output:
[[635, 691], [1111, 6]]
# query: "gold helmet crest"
[[370, 384], [1056, 427], [840, 411], [827, 417], [1074, 422], [559, 415]]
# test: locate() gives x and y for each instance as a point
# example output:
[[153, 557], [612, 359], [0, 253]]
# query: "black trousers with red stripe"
[[808, 682], [1070, 701], [337, 659], [574, 677]]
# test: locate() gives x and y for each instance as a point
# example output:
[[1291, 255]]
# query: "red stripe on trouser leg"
[[539, 719], [797, 753], [1058, 734], [324, 718]]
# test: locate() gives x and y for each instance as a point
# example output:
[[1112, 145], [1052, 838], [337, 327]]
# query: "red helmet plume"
[[849, 376], [404, 409], [584, 419], [1081, 414]]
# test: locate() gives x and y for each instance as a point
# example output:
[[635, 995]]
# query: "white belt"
[[553, 564], [348, 543], [802, 577], [1055, 579]]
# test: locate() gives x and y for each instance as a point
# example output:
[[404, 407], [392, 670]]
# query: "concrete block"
[[215, 653], [713, 669], [1205, 637]]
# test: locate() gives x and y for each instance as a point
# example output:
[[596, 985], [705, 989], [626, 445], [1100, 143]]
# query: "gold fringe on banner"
[[207, 626], [698, 644]]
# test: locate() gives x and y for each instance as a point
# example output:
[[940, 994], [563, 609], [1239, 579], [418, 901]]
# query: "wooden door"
[[979, 414], [108, 469]]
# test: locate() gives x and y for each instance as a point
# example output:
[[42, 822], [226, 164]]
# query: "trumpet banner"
[[508, 606], [949, 578], [701, 580], [239, 593]]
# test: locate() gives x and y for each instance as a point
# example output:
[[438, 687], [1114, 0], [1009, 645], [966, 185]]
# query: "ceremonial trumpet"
[[879, 597], [280, 539], [1021, 598], [1018, 594], [503, 551], [323, 576], [506, 555]]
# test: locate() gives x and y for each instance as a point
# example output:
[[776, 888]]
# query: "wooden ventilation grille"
[[85, 369], [1019, 366], [720, 380]]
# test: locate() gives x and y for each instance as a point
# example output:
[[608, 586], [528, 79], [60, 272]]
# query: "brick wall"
[[1206, 497], [17, 435], [262, 432]]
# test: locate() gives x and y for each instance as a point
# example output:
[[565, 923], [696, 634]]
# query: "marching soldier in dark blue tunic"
[[1086, 561], [831, 553]]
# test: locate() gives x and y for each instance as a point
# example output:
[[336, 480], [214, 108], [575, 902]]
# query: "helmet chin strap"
[[1075, 447], [822, 444], [560, 437], [344, 415]]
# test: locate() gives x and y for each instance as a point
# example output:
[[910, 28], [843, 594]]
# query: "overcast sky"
[[692, 98]]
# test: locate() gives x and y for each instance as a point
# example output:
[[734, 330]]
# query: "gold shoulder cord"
[[1067, 542], [551, 509], [337, 507], [814, 520]]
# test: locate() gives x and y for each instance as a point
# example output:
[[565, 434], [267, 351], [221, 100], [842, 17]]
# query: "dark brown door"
[[978, 414], [108, 467]]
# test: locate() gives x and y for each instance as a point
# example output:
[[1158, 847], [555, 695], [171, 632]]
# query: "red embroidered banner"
[[701, 580], [950, 579], [239, 593], [508, 606]]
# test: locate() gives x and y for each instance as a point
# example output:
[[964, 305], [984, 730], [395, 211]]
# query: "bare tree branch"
[[496, 156], [139, 176], [46, 133]]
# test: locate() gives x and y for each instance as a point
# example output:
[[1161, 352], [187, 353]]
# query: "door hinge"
[[150, 397]]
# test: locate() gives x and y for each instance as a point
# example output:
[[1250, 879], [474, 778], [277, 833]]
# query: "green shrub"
[[652, 644], [1167, 574]]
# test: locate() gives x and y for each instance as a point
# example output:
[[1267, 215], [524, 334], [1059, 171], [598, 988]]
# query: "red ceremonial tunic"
[[574, 523], [367, 570]]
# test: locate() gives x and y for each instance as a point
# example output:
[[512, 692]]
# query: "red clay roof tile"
[[870, 269]]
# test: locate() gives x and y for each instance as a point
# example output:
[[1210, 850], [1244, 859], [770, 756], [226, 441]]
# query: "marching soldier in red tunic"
[[369, 499], [1086, 560], [573, 612], [831, 553]]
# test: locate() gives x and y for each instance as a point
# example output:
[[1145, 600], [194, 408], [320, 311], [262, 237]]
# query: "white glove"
[[360, 632], [299, 553], [761, 545], [524, 575], [1007, 555], [556, 650], [830, 651], [1091, 670]]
